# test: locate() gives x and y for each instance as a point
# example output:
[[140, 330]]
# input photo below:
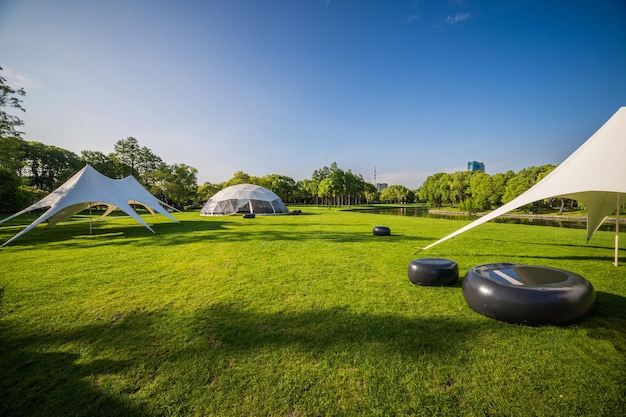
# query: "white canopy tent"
[[244, 198], [595, 174], [89, 188]]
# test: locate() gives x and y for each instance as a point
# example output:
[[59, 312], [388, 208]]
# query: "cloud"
[[458, 18], [15, 79], [412, 18]]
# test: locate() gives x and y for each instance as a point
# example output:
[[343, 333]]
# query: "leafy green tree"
[[128, 154], [105, 164], [147, 163], [12, 154], [47, 167], [308, 191], [499, 182], [370, 192], [240, 177], [328, 190], [337, 184], [10, 197], [523, 180], [206, 191], [10, 98], [176, 184], [396, 194], [282, 185], [11, 143], [482, 188], [435, 190], [354, 187], [460, 186]]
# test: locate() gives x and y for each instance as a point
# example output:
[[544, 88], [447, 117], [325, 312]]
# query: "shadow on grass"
[[66, 372], [105, 233], [542, 250], [40, 378], [193, 231], [608, 320], [332, 329]]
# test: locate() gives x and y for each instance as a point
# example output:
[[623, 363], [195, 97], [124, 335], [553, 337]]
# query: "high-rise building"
[[476, 166]]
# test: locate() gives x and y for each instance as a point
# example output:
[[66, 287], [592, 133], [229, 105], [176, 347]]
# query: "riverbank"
[[622, 220]]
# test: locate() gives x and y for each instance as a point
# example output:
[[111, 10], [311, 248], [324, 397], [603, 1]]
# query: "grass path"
[[294, 316]]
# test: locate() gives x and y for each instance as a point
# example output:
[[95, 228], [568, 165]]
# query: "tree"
[[459, 186], [435, 190], [105, 164], [370, 193], [10, 98], [10, 197], [282, 185], [11, 143], [482, 188], [327, 190], [147, 163], [499, 182], [308, 191], [239, 177], [176, 184], [523, 180], [396, 194], [354, 187], [338, 184], [128, 153], [47, 167], [206, 191], [12, 154]]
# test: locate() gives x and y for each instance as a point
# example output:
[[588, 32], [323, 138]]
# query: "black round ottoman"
[[433, 272], [382, 231], [525, 294]]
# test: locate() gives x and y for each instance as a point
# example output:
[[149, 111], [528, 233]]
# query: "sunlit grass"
[[294, 316]]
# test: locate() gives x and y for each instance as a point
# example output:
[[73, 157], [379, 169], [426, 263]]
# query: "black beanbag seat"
[[382, 231], [433, 272], [525, 294], [249, 216]]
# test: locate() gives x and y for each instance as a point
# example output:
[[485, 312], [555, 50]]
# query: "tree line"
[[329, 185], [29, 170]]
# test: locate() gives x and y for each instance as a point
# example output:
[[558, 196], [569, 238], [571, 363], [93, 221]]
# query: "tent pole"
[[89, 218], [617, 233]]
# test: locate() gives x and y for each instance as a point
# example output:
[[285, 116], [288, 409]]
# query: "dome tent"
[[244, 198]]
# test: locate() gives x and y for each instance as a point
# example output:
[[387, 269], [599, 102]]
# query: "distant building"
[[475, 166], [381, 186]]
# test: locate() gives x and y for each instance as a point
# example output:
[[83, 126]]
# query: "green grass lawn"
[[308, 315]]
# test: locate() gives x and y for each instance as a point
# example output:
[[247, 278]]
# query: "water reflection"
[[423, 212]]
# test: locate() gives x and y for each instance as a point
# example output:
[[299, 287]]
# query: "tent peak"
[[594, 174]]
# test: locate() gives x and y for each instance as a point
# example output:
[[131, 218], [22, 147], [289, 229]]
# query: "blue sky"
[[289, 86]]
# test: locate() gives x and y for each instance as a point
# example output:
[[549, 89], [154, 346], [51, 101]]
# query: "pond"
[[535, 221]]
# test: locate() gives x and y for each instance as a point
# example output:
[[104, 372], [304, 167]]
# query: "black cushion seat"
[[382, 231], [526, 294], [433, 271]]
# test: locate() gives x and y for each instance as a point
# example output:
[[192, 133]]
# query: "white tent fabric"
[[244, 198], [595, 174], [89, 188]]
